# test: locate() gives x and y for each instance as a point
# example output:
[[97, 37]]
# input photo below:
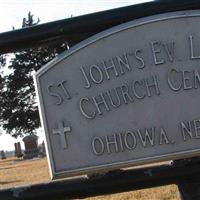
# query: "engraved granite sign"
[[129, 95]]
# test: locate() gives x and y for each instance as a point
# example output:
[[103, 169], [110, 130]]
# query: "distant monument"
[[31, 146], [18, 150], [43, 148], [42, 152], [3, 156]]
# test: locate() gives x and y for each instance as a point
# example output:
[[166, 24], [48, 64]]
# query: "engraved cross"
[[61, 131]]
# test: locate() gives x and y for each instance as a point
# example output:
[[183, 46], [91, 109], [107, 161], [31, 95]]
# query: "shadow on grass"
[[3, 168], [8, 182]]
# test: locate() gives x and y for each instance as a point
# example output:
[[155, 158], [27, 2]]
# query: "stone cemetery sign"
[[129, 95]]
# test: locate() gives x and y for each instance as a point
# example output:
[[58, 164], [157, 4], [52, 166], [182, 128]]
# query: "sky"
[[13, 12]]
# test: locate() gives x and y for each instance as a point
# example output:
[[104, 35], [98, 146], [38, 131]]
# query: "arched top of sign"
[[116, 29]]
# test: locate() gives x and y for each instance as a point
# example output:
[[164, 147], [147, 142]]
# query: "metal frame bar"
[[113, 182], [76, 29]]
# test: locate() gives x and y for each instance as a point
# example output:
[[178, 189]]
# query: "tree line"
[[18, 109]]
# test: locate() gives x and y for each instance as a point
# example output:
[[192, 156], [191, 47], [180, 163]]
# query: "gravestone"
[[3, 156], [42, 152], [18, 150], [43, 148], [31, 146]]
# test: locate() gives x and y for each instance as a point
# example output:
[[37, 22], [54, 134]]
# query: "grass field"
[[16, 172]]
